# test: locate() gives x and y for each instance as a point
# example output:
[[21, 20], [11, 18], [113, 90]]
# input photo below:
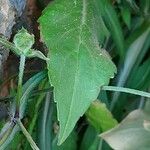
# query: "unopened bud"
[[23, 41]]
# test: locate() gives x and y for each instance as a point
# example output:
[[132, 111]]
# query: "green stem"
[[125, 90], [19, 88], [27, 135]]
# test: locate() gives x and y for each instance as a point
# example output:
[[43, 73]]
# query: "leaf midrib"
[[83, 20]]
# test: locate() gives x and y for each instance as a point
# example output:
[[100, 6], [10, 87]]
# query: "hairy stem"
[[19, 88]]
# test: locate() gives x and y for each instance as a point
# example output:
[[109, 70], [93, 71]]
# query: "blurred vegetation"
[[123, 29]]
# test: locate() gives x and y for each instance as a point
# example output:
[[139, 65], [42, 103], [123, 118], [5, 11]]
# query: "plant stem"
[[142, 103], [19, 88], [125, 90], [27, 135]]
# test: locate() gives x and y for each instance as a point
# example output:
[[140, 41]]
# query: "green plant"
[[23, 42], [79, 70]]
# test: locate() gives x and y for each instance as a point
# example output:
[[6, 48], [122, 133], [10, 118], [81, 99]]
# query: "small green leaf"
[[36, 53], [100, 117], [78, 67], [130, 134]]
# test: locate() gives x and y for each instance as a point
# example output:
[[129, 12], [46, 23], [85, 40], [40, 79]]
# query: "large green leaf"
[[100, 117], [132, 133], [78, 67]]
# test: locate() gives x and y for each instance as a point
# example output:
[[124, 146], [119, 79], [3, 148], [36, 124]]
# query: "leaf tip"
[[61, 140], [63, 134]]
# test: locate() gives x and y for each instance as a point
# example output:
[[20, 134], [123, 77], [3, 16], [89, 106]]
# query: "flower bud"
[[23, 41]]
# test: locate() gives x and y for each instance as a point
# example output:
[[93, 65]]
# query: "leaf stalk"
[[125, 90]]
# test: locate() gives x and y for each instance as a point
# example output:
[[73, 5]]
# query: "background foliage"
[[76, 34]]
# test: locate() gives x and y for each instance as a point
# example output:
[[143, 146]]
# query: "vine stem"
[[125, 90], [27, 135], [19, 88]]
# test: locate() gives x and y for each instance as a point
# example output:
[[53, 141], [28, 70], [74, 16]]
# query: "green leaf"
[[131, 133], [78, 67], [100, 117], [36, 53]]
